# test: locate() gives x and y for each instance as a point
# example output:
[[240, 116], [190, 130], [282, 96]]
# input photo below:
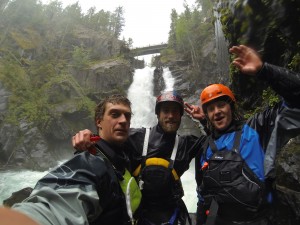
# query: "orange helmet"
[[215, 91]]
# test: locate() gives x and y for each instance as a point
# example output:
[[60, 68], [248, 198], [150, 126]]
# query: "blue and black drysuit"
[[246, 200]]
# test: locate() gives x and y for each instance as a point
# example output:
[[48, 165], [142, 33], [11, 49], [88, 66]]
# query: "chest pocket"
[[132, 193], [157, 177], [229, 179]]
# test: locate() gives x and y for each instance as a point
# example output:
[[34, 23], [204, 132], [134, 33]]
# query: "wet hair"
[[114, 99]]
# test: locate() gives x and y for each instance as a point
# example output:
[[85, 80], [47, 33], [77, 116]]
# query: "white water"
[[140, 94], [12, 181]]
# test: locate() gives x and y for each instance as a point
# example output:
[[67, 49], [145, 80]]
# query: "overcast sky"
[[147, 22]]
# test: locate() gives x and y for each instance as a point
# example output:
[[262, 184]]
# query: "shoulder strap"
[[145, 149], [174, 152], [212, 144], [146, 141], [213, 209], [236, 144], [237, 140]]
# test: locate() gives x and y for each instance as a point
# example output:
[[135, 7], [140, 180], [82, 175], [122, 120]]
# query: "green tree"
[[118, 21], [172, 33], [102, 21], [80, 57]]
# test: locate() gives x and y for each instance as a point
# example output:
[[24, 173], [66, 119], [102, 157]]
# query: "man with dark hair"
[[235, 167], [89, 188]]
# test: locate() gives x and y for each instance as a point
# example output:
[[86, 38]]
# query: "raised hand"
[[247, 60], [194, 111]]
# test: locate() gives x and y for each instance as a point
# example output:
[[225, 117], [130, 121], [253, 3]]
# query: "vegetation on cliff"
[[271, 27], [40, 43], [49, 57]]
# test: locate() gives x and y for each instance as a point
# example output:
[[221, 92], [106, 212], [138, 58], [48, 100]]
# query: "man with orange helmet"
[[235, 169]]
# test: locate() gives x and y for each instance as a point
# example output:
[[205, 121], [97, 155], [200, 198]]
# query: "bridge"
[[148, 50]]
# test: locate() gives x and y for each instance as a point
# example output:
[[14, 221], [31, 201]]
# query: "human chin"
[[170, 127], [120, 136], [120, 139], [221, 125]]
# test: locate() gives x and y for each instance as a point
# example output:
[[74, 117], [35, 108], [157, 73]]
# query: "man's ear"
[[99, 124]]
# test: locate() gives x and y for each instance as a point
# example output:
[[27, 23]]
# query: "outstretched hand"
[[247, 60], [194, 111]]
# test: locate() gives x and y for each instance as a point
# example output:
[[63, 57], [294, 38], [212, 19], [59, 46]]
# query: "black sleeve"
[[284, 82]]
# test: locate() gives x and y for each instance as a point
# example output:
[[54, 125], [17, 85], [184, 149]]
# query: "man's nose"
[[217, 109], [171, 114], [123, 118]]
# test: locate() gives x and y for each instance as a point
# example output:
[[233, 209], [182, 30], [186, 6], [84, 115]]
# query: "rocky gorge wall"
[[28, 145]]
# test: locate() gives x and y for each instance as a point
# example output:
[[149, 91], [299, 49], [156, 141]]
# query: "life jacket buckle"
[[141, 184]]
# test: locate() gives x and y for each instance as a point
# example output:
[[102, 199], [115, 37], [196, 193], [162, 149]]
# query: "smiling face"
[[220, 114], [169, 116], [114, 125]]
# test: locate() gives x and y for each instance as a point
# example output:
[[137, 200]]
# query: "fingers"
[[81, 140], [238, 63], [188, 105], [240, 51], [188, 108], [191, 109], [247, 60]]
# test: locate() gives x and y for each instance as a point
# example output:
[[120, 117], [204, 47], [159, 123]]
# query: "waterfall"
[[169, 80], [222, 49], [140, 93]]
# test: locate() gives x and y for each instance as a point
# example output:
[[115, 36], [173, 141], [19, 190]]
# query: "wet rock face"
[[288, 184], [288, 167], [272, 28]]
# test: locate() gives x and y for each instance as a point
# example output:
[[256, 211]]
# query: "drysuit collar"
[[234, 126], [115, 154]]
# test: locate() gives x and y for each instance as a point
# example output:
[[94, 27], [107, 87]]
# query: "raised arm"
[[284, 82], [247, 60]]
